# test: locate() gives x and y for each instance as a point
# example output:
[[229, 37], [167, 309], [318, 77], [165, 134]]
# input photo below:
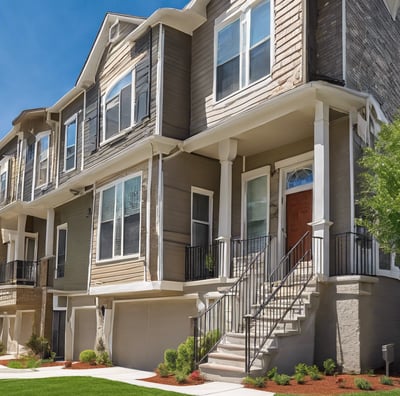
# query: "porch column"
[[227, 151], [20, 238], [321, 221], [49, 233]]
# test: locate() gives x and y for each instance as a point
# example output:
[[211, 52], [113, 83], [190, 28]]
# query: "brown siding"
[[287, 68], [373, 53], [176, 101]]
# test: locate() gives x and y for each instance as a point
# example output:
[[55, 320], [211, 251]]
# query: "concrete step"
[[221, 372]]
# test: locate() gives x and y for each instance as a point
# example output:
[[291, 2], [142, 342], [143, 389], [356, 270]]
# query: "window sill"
[[114, 139], [116, 260]]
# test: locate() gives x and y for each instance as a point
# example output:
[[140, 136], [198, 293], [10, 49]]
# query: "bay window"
[[119, 222]]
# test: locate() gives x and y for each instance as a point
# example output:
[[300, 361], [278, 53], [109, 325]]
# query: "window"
[[120, 207], [4, 179], [42, 159], [201, 217], [127, 101], [70, 143], [61, 250], [243, 49], [299, 177]]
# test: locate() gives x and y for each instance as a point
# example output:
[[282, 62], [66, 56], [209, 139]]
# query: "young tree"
[[380, 188]]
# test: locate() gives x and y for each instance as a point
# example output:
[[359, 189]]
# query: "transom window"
[[70, 144], [299, 177], [120, 207], [42, 159], [243, 50]]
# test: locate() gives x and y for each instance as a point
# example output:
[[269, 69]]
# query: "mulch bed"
[[74, 365], [170, 380]]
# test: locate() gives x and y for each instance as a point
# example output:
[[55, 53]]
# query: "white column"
[[20, 239], [49, 248], [321, 221], [227, 151]]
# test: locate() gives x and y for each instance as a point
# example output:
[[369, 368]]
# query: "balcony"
[[18, 272]]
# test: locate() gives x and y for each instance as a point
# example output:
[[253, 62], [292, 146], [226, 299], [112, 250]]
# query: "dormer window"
[[243, 46]]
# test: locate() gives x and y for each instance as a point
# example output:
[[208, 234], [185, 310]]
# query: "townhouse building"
[[201, 178]]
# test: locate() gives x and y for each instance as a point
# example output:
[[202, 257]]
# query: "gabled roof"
[[29, 113]]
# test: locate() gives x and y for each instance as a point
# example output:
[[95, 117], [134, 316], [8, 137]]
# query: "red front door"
[[298, 215]]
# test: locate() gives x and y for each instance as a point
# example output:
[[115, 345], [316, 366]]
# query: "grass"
[[67, 386]]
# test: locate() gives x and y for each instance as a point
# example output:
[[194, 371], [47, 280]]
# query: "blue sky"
[[44, 44]]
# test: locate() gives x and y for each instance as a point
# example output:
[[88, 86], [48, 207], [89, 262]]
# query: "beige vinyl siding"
[[176, 92], [286, 72], [124, 270], [118, 60], [194, 171]]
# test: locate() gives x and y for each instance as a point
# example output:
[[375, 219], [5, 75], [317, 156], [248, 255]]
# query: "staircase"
[[276, 329]]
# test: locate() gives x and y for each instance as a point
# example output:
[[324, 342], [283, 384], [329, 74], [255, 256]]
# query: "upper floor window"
[[127, 101], [70, 143], [119, 219], [4, 179], [243, 48], [42, 158], [61, 250]]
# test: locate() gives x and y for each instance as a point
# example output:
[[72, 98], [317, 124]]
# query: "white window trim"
[[4, 168], [100, 191], [59, 228], [70, 120], [40, 136], [103, 140], [246, 177], [33, 236], [210, 195], [243, 14]]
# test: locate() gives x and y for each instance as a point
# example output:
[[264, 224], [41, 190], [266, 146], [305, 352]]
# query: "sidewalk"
[[130, 376]]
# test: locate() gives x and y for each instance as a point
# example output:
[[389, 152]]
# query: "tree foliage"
[[380, 188]]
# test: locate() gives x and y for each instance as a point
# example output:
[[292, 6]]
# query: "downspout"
[[160, 81], [344, 41], [83, 132], [148, 213], [160, 221], [91, 240], [58, 145]]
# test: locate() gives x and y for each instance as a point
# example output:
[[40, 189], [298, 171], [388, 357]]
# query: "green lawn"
[[67, 386]]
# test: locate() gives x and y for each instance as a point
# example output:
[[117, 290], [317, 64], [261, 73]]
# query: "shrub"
[[2, 349], [33, 363], [103, 359], [208, 341], [301, 368], [170, 356], [313, 372], [329, 366], [39, 346], [180, 377], [362, 384], [282, 379], [15, 364], [88, 356], [272, 373], [163, 370], [196, 375], [385, 380], [248, 381], [100, 347], [259, 382], [185, 357], [299, 377]]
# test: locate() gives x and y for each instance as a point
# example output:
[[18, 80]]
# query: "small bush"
[[362, 384], [163, 370], [2, 348], [299, 377], [301, 368], [248, 381], [385, 380], [282, 379], [88, 356], [259, 382], [39, 346], [272, 373], [103, 359], [33, 363], [185, 357], [170, 356], [180, 377], [15, 364], [100, 347], [196, 375], [313, 372], [329, 366]]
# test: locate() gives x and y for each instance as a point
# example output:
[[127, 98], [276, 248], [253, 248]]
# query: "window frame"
[[4, 169], [243, 14], [210, 195], [39, 137], [101, 190], [61, 227], [71, 120]]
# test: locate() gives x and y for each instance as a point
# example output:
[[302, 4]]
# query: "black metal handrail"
[[18, 272], [354, 254], [203, 262], [296, 269], [227, 312]]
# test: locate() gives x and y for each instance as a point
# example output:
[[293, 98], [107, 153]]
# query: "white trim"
[[210, 195], [287, 162], [246, 177], [89, 278], [83, 131], [148, 215], [113, 26], [133, 287], [160, 81], [67, 123], [39, 137], [160, 221], [4, 168], [101, 190], [60, 227]]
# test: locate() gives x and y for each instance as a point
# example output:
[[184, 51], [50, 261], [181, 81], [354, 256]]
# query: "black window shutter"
[[142, 90]]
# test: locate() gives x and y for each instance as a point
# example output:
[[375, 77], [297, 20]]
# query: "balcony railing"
[[354, 254], [18, 272]]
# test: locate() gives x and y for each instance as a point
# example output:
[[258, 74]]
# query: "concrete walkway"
[[130, 376]]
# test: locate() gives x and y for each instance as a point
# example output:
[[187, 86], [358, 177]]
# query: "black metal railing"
[[203, 262], [287, 283], [18, 272], [242, 250], [227, 313], [354, 254]]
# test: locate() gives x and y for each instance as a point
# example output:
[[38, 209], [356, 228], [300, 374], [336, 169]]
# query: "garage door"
[[85, 330], [143, 330]]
